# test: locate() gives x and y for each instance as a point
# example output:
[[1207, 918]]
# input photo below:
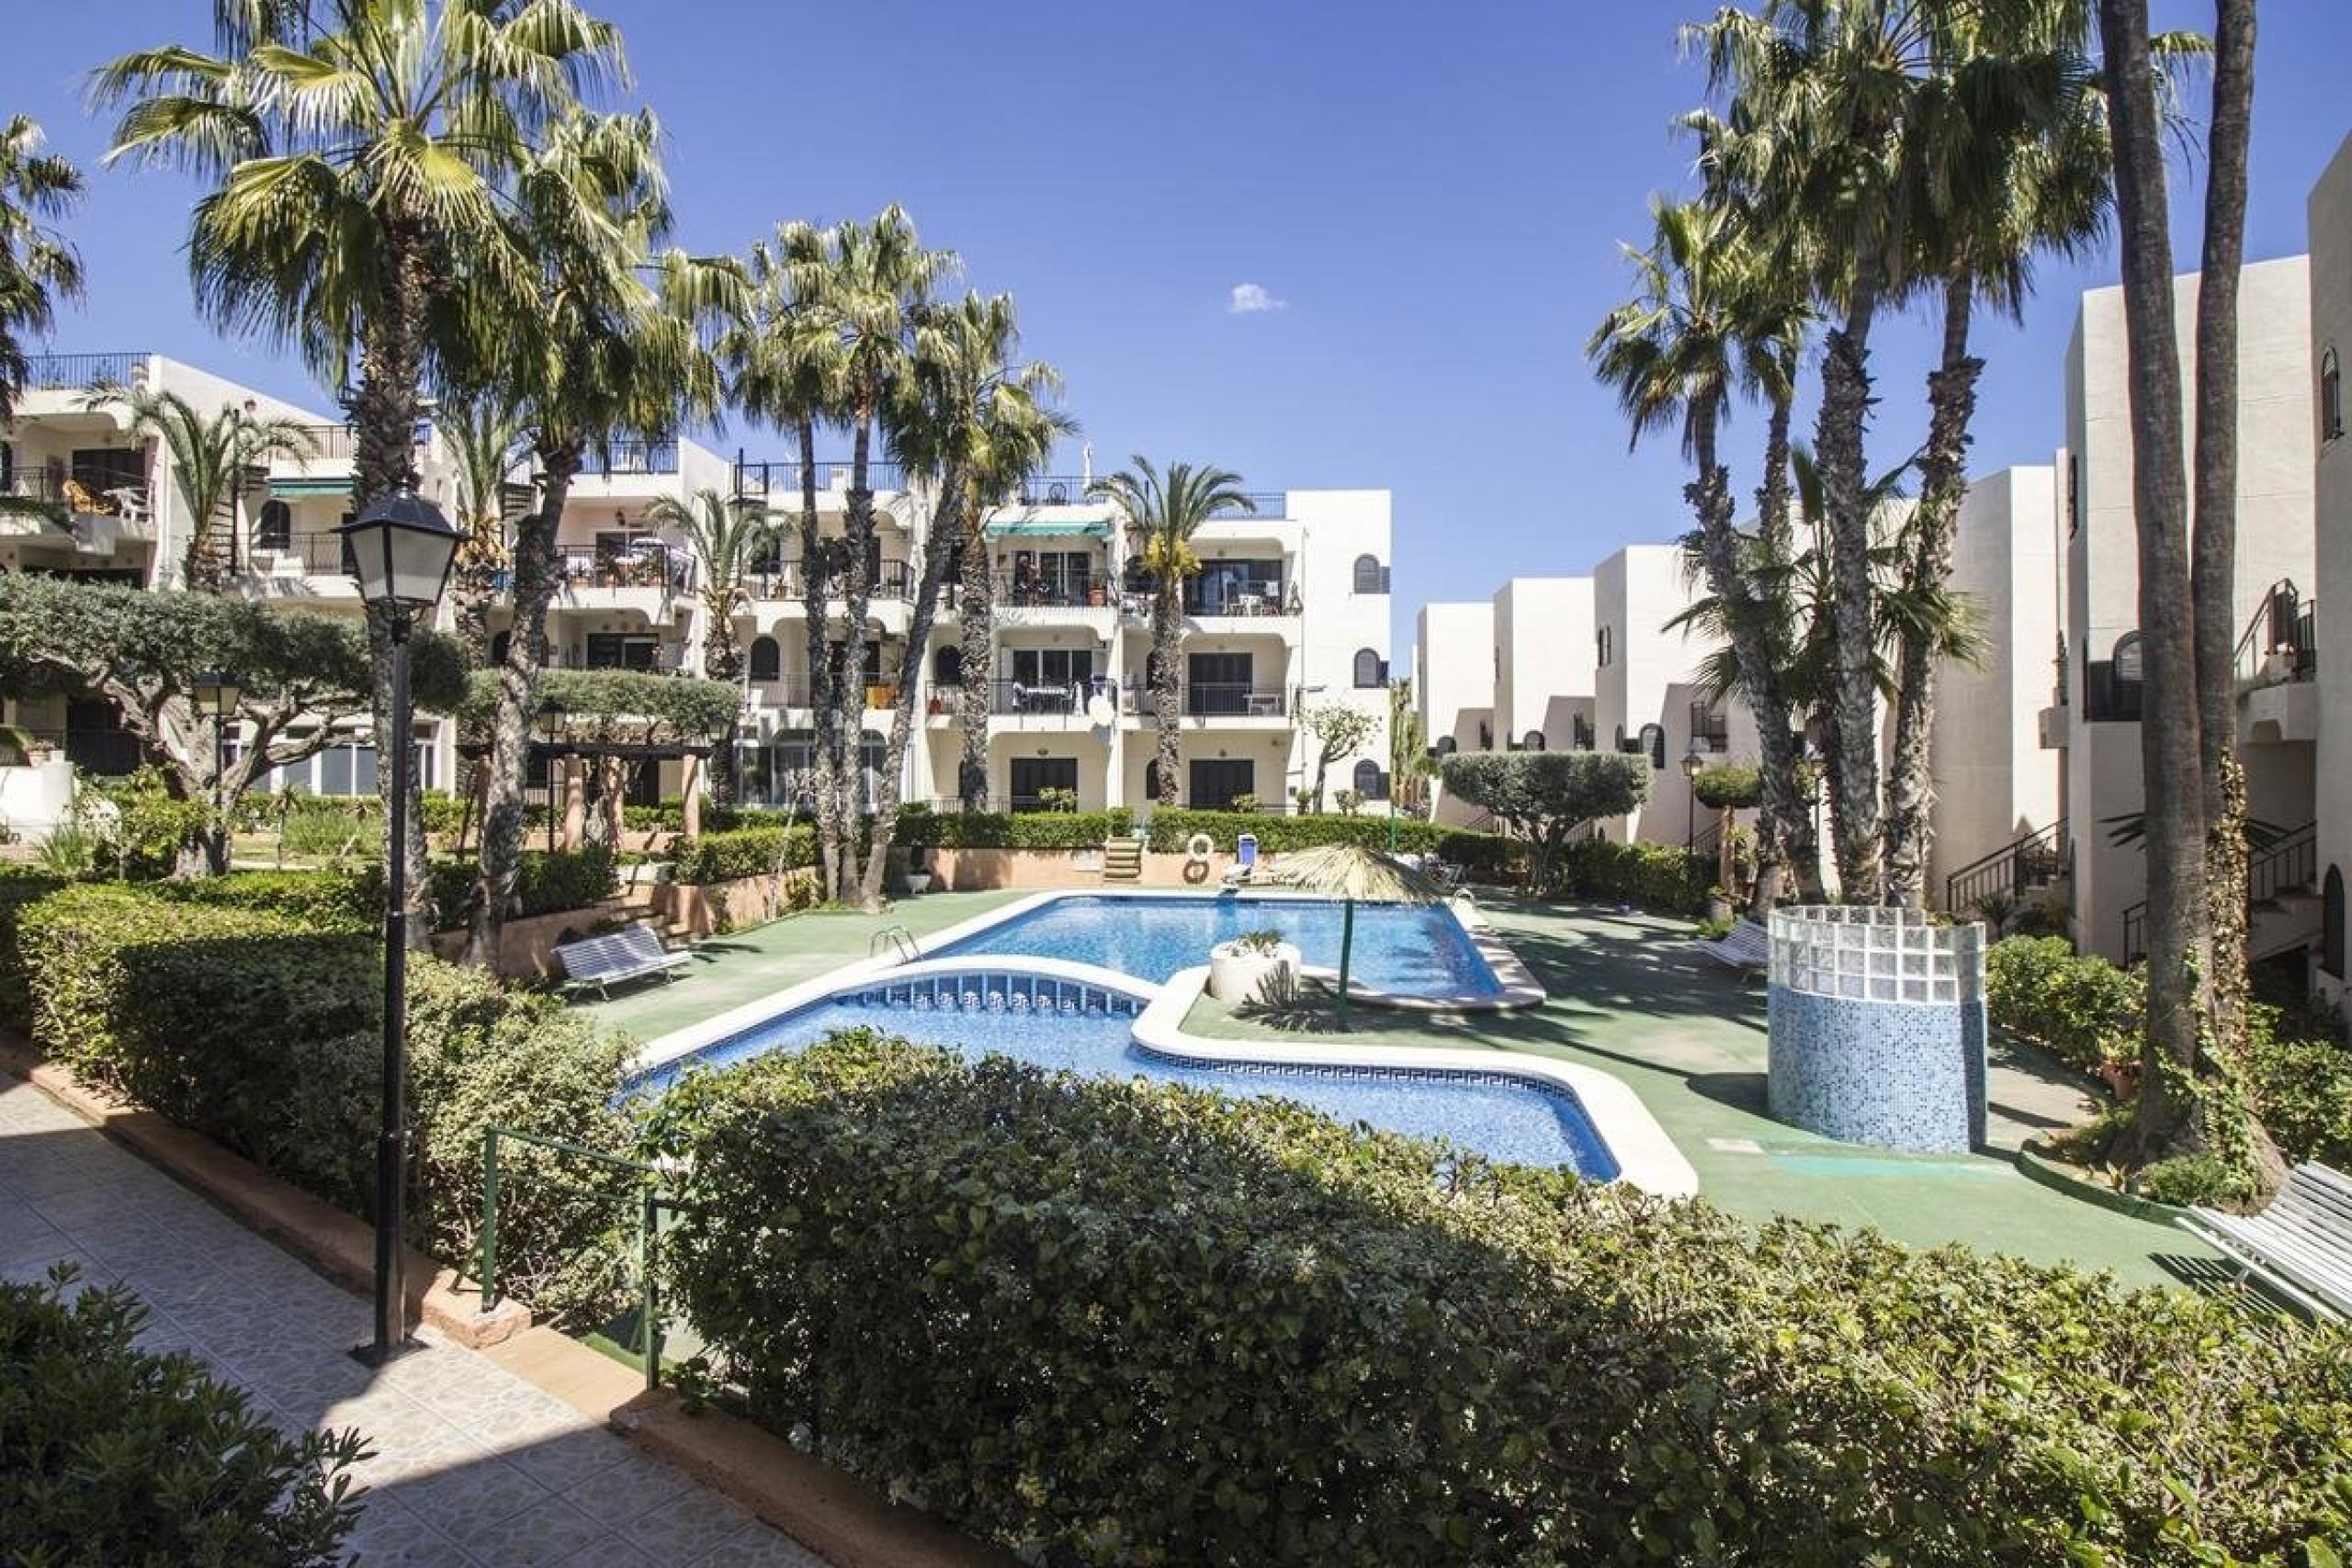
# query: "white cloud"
[[1253, 299]]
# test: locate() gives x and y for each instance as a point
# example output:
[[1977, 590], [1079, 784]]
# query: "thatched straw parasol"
[[1352, 872]]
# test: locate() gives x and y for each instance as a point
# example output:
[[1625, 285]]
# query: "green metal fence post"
[[649, 1296], [489, 1218]]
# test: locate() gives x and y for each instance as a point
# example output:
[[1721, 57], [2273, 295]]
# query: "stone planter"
[[918, 884], [1240, 975]]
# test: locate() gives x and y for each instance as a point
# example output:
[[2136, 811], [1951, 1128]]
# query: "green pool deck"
[[1630, 996], [743, 967]]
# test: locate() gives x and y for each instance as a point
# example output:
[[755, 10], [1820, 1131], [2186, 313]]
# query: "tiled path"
[[472, 1465]]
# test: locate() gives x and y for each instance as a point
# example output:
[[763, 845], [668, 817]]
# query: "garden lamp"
[[1693, 761], [401, 548]]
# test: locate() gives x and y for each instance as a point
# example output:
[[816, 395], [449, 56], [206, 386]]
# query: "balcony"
[[623, 458], [650, 564], [310, 555], [1211, 699], [1710, 728], [74, 372], [85, 493], [780, 484]]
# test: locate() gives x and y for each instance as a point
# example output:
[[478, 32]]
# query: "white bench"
[[1747, 947], [629, 954], [2302, 1244]]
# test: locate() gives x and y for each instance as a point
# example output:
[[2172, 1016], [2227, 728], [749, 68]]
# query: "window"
[[2331, 396], [2127, 659], [767, 659], [275, 530], [1218, 683], [1371, 576], [1532, 741], [1217, 783], [2111, 687], [947, 665], [499, 643], [2331, 924], [1604, 642], [1151, 781], [1060, 669], [2073, 495], [1369, 785], [1032, 776], [613, 650], [1235, 587], [1445, 747], [1370, 669], [1653, 740]]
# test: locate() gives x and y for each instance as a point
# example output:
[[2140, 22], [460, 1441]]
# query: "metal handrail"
[[2026, 862], [67, 371], [2285, 623], [2291, 861], [651, 1201], [900, 941]]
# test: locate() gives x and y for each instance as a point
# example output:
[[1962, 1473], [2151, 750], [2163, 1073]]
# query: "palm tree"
[[971, 421], [1706, 316], [357, 162], [727, 534], [212, 459], [37, 267], [1164, 513], [486, 435]]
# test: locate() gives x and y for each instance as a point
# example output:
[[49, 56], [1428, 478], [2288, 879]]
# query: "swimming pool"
[[1060, 1023], [1411, 949]]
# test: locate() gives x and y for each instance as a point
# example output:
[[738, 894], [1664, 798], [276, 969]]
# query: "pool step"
[[997, 993], [1123, 860]]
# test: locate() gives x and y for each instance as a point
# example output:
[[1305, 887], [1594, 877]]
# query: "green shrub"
[[1487, 854], [1138, 1323], [151, 827], [320, 897], [1071, 829], [1667, 878], [2299, 1076], [336, 828], [117, 1455], [547, 882], [2082, 1009], [265, 1034], [20, 888], [743, 851]]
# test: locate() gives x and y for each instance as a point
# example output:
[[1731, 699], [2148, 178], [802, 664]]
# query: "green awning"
[[1035, 527], [289, 489]]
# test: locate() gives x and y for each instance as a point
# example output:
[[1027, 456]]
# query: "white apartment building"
[[1455, 660], [1511, 673], [2331, 620], [1647, 694]]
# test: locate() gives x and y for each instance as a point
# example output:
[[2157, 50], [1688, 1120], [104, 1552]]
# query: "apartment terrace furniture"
[[1747, 947], [2300, 1245], [629, 954]]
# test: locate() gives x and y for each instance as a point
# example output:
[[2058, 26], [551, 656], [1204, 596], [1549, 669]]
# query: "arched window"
[[767, 659], [2331, 395], [1370, 578], [499, 643], [2331, 923], [947, 665], [1654, 742], [274, 528], [1445, 746], [1532, 741], [1151, 781], [1370, 671], [1603, 641], [2127, 659], [1368, 782]]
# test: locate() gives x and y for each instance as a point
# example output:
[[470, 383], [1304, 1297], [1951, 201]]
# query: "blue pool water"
[[1063, 1025], [1407, 949]]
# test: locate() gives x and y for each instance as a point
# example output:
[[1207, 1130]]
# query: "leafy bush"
[[264, 1033], [1071, 829], [1736, 784], [318, 897], [2082, 1009], [1486, 853], [337, 828], [1662, 877], [743, 851], [547, 882], [1136, 1323], [2299, 1076], [1543, 796], [117, 1455], [20, 888], [150, 829]]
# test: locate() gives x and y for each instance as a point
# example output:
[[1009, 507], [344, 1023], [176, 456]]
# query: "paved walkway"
[[472, 1465]]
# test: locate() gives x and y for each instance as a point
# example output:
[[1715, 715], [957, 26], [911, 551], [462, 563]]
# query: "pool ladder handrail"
[[901, 942]]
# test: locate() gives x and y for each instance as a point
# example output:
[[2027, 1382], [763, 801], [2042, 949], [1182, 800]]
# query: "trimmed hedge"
[[320, 897], [21, 886], [2080, 1009], [114, 1454], [743, 851], [1171, 826], [1666, 878], [1136, 1323], [1015, 830], [264, 1033], [547, 882]]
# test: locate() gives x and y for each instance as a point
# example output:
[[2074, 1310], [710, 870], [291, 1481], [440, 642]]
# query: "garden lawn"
[[743, 967], [1630, 995]]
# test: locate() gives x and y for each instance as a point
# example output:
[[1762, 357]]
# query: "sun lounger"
[[2302, 1244], [1748, 947], [629, 954]]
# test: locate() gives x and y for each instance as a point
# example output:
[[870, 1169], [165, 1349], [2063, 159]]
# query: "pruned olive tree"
[[1543, 797]]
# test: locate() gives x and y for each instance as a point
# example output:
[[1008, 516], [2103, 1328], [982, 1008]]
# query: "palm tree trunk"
[[945, 519], [535, 570], [1167, 646], [1785, 840], [392, 360], [816, 580], [722, 660], [1709, 497], [2213, 551], [2169, 1121], [1845, 409], [978, 610], [848, 728], [1943, 482]]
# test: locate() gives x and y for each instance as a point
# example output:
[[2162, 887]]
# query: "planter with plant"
[[1254, 966]]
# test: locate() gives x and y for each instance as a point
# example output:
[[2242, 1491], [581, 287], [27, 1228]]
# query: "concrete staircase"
[[1123, 860]]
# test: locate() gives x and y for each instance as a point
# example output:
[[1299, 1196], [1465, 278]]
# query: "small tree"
[[142, 652], [1543, 796], [1728, 788], [1408, 758], [1338, 729]]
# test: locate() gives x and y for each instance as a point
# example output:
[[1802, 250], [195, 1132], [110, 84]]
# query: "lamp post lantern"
[[1693, 761], [215, 694], [401, 549]]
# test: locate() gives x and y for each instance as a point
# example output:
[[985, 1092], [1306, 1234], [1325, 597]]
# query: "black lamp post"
[[400, 547], [216, 696], [1693, 761]]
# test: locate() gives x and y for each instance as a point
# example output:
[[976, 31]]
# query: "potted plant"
[[1254, 966], [1096, 596]]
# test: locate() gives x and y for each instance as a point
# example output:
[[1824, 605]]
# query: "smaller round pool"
[[1408, 949]]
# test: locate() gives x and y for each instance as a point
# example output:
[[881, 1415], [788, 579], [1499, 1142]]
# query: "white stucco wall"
[[2331, 329], [1544, 673]]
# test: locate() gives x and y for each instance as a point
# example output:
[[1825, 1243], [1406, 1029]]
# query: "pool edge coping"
[[1646, 1156]]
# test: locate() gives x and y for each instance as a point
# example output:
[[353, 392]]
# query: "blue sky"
[[1427, 199]]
